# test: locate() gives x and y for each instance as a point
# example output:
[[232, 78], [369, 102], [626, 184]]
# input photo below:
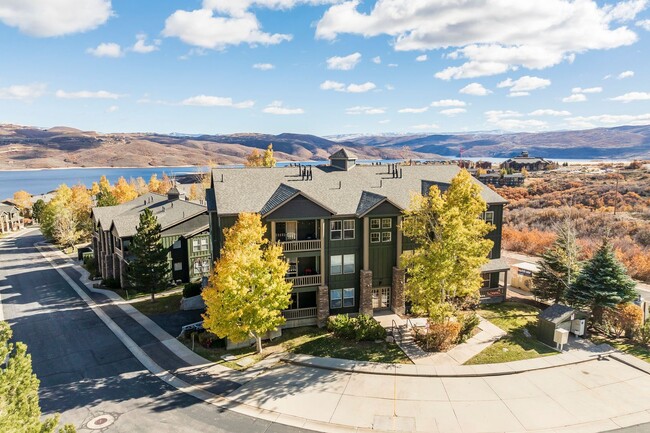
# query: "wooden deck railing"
[[306, 280], [299, 313]]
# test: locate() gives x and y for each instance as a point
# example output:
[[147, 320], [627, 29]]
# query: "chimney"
[[340, 184], [400, 173], [381, 183]]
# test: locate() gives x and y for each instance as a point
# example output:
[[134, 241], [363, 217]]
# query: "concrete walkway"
[[458, 355]]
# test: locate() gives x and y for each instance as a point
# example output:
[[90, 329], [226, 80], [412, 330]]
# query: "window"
[[336, 265], [386, 223], [375, 237], [348, 297], [204, 244], [348, 264], [335, 230], [488, 217], [177, 244], [336, 300], [385, 236], [486, 281], [178, 266], [348, 229], [375, 223], [195, 244]]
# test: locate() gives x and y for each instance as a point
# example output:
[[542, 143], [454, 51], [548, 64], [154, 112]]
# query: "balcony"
[[300, 313], [305, 280], [299, 246]]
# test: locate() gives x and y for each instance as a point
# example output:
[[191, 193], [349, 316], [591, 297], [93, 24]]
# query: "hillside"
[[27, 147]]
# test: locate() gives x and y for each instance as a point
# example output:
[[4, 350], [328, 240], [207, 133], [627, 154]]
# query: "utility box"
[[561, 338], [578, 327]]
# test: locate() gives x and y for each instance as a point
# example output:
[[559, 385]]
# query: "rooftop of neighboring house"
[[168, 209], [354, 191], [7, 208], [524, 158]]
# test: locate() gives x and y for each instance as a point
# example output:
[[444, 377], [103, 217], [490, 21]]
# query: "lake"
[[45, 180]]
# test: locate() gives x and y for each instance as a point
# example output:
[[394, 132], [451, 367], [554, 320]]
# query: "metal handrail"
[[399, 330]]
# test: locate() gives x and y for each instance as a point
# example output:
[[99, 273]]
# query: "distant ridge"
[[30, 147]]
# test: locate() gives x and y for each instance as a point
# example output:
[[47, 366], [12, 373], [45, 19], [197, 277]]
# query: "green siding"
[[383, 255]]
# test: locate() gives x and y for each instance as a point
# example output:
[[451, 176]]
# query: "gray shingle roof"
[[343, 154], [368, 201], [7, 208], [556, 313], [125, 217], [252, 189], [282, 194], [495, 265]]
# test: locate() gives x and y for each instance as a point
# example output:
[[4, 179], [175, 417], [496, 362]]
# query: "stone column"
[[397, 291], [323, 305], [365, 295]]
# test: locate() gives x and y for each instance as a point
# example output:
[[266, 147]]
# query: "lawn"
[[162, 304], [513, 318], [309, 341], [641, 351]]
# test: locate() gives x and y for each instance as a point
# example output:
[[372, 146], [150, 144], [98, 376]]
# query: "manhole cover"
[[100, 422]]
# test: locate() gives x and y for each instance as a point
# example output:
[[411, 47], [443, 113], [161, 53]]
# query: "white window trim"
[[340, 264], [372, 223], [390, 237], [353, 229], [340, 299], [343, 298], [340, 230], [376, 235], [389, 225], [354, 264]]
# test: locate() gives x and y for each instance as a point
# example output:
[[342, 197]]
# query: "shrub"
[[440, 336], [624, 319], [208, 339], [191, 289], [368, 329], [111, 283], [342, 326], [468, 321], [643, 336], [361, 328]]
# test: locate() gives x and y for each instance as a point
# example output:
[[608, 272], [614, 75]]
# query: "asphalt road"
[[85, 371]]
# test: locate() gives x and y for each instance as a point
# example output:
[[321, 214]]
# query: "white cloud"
[[141, 45], [453, 111], [587, 90], [106, 49], [576, 97], [389, 87], [413, 110], [632, 96], [512, 121], [202, 28], [365, 110], [86, 94], [518, 94], [421, 58], [384, 121], [263, 66], [215, 101], [23, 92], [525, 84], [644, 24], [112, 109], [625, 74], [47, 18], [448, 103], [609, 120], [530, 33], [426, 127], [393, 65], [344, 63], [376, 60], [332, 85], [548, 112], [238, 7], [277, 107], [350, 88], [475, 89]]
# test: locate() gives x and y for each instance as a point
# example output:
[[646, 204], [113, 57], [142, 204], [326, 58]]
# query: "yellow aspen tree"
[[124, 192]]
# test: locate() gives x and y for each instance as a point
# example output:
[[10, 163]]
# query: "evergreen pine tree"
[[105, 197], [559, 266], [602, 283], [149, 268], [19, 408]]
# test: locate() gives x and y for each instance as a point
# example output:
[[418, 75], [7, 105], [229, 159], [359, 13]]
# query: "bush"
[[440, 335], [368, 329], [361, 328], [624, 319], [191, 289], [208, 339], [468, 321], [342, 326], [643, 336]]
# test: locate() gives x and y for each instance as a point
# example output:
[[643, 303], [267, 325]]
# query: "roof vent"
[[173, 194], [343, 159]]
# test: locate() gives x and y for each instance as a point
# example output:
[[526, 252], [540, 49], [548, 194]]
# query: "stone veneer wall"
[[397, 291], [365, 295], [323, 305]]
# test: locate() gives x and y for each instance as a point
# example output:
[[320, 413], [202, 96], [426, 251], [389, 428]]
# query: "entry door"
[[380, 298]]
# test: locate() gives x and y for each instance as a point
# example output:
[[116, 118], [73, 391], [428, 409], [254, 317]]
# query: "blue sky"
[[324, 66]]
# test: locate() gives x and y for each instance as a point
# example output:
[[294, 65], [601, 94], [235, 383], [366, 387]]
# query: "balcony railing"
[[306, 280], [299, 313], [297, 246]]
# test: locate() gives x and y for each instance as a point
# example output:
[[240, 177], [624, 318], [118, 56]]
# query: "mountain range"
[[23, 147]]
